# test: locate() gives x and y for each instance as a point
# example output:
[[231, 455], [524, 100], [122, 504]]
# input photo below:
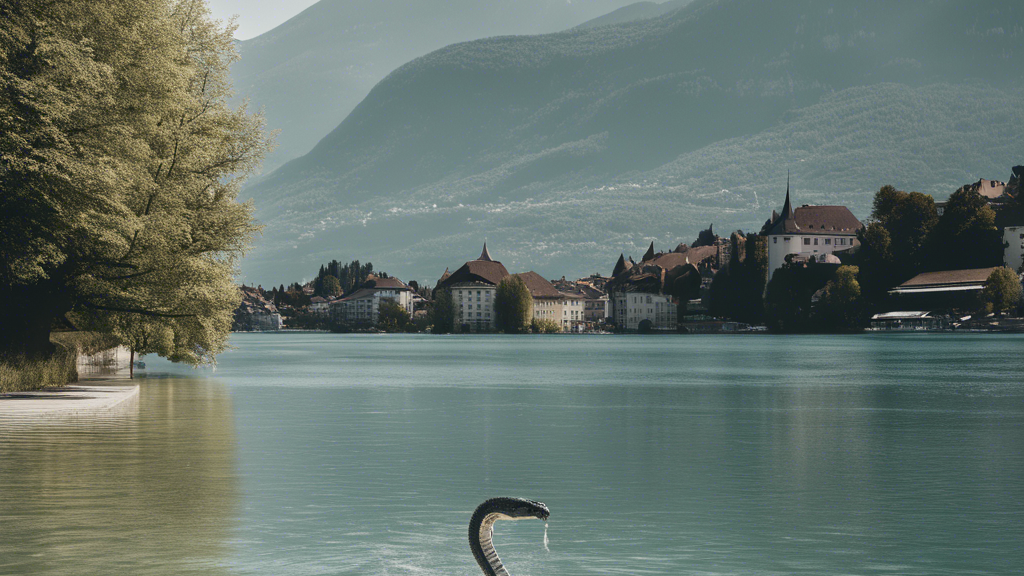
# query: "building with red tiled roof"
[[809, 231], [362, 306], [550, 303], [646, 296], [473, 287], [943, 290]]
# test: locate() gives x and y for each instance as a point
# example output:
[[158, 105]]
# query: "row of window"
[[827, 241]]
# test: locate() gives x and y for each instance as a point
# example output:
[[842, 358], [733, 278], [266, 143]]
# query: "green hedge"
[[18, 374]]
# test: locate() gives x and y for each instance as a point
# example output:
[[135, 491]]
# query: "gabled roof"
[[390, 283], [948, 278], [539, 287], [831, 220], [485, 271]]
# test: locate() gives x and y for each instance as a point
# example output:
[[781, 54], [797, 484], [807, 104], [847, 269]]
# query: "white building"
[[319, 305], [1013, 253], [565, 309], [809, 231], [473, 287], [363, 305], [640, 311]]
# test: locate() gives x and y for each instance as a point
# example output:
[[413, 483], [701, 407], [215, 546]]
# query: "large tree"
[[966, 235], [1002, 290], [120, 163], [513, 305], [841, 308]]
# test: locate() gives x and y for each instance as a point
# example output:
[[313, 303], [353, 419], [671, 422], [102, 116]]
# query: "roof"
[[539, 287], [945, 281], [485, 271], [949, 277], [390, 283], [485, 255], [902, 315], [695, 254], [831, 220]]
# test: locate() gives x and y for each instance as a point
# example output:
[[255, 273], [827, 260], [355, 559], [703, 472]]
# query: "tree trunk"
[[131, 365]]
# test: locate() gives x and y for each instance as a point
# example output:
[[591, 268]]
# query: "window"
[[815, 241], [828, 241], [775, 240], [807, 241], [786, 239]]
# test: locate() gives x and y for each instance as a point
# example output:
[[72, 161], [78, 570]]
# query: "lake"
[[366, 454]]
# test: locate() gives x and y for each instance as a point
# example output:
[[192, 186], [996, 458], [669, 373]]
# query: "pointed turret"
[[620, 266], [485, 255], [649, 254], [787, 208]]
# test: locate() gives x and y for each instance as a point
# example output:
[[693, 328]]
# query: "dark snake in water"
[[482, 523]]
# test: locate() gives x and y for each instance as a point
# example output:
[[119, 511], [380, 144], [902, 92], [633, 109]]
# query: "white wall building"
[[363, 305], [809, 231], [473, 287], [630, 310]]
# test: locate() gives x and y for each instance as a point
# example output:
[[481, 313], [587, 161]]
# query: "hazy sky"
[[257, 16]]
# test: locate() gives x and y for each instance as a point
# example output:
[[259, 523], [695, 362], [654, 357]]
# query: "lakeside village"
[[916, 265]]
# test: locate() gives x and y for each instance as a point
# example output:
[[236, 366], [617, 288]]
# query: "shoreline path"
[[103, 388]]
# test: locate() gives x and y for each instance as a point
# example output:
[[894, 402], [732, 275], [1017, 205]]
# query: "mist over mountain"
[[634, 12], [311, 71], [565, 149]]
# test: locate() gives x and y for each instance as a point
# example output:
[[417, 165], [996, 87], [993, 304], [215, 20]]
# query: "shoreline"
[[103, 389]]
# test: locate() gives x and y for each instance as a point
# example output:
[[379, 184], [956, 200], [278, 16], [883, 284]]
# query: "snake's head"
[[530, 509]]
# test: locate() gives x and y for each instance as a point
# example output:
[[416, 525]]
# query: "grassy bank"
[[18, 373]]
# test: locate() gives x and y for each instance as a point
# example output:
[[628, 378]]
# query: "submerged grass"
[[18, 373]]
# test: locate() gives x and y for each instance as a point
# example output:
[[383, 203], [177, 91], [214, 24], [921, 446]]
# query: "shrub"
[[544, 326], [19, 373]]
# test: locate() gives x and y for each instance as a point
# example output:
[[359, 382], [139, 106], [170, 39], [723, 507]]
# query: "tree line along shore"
[[917, 263]]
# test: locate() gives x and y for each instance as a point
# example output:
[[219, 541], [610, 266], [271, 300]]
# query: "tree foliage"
[[120, 162], [1002, 290], [513, 305], [737, 289], [841, 308], [391, 316], [349, 276], [442, 314], [965, 236]]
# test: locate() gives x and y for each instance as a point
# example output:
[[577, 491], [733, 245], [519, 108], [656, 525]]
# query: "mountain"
[[634, 12], [311, 71], [565, 149]]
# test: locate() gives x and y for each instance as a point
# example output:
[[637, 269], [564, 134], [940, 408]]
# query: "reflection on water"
[[366, 455], [152, 491]]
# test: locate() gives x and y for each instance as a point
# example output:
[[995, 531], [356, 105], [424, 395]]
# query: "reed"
[[19, 374]]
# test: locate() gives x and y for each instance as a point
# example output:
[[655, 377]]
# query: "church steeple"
[[787, 208], [485, 255]]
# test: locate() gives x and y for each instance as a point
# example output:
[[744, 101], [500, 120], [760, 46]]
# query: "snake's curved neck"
[[480, 533]]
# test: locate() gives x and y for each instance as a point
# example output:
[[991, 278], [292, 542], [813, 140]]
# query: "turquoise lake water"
[[364, 454]]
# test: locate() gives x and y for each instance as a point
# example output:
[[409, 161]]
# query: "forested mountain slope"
[[567, 148], [311, 71]]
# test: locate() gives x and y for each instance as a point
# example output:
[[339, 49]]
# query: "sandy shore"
[[103, 388]]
